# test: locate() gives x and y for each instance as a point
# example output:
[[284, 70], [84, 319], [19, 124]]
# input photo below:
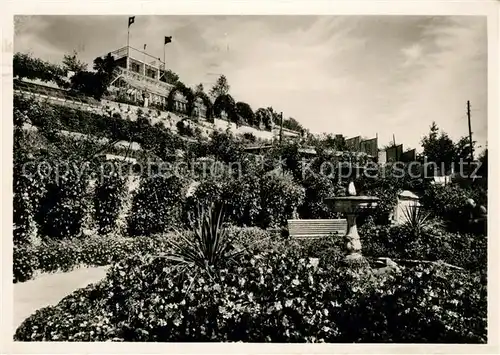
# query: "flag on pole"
[[168, 39], [131, 20]]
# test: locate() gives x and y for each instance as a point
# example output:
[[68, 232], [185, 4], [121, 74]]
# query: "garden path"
[[49, 289]]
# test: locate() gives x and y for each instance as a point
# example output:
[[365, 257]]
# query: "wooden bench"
[[316, 228]]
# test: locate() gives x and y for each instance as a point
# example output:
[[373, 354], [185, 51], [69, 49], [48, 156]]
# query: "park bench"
[[316, 228]]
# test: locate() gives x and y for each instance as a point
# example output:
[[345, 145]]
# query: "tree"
[[483, 168], [225, 148], [180, 87], [169, 77], [199, 88], [263, 116], [95, 83], [105, 66], [438, 148], [245, 111], [72, 63], [275, 116], [25, 66], [462, 147], [293, 124], [225, 103], [220, 88]]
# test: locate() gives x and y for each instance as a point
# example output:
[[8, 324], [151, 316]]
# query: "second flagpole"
[[128, 46]]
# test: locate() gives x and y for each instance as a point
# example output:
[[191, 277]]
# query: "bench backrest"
[[316, 228]]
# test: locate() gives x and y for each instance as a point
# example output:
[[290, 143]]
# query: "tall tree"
[[438, 147], [221, 87], [72, 63], [95, 83]]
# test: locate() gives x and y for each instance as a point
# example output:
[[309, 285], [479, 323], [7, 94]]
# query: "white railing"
[[141, 79]]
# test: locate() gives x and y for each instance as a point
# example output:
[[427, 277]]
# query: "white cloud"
[[412, 53]]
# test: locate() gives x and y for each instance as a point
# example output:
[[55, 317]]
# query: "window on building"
[[135, 67], [150, 73]]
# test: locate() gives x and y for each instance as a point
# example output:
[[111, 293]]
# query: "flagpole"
[[144, 64], [128, 44]]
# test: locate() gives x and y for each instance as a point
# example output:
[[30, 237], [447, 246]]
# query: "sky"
[[352, 75]]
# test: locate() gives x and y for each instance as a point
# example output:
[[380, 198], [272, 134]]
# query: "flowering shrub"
[[25, 262], [447, 202], [434, 243], [243, 199], [256, 240], [109, 196], [64, 255], [329, 250], [269, 297], [317, 188], [157, 206], [280, 196], [28, 191], [65, 205]]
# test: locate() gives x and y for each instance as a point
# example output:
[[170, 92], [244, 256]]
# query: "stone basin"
[[352, 206]]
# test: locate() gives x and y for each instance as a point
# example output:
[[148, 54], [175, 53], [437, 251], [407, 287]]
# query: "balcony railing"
[[153, 84], [140, 56]]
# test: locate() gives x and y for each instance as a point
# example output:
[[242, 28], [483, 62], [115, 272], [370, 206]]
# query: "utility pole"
[[281, 127], [470, 132]]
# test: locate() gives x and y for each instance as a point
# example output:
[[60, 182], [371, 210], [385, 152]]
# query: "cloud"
[[412, 53], [355, 75]]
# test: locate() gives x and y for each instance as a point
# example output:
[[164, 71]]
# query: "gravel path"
[[49, 289]]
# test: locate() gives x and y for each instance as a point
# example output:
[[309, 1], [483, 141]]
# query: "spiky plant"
[[416, 220], [209, 246]]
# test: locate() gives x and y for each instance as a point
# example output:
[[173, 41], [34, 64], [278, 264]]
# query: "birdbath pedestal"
[[352, 206]]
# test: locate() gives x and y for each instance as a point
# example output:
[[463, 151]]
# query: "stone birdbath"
[[352, 205]]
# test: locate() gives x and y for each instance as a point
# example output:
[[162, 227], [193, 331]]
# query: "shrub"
[[51, 255], [269, 297], [157, 206], [447, 202], [77, 317], [249, 137], [243, 198], [416, 220], [317, 188], [433, 243], [66, 203], [209, 246], [280, 196], [28, 191], [330, 251], [256, 240], [24, 262], [109, 198]]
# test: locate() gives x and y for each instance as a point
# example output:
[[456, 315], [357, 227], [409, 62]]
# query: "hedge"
[[52, 256], [270, 297]]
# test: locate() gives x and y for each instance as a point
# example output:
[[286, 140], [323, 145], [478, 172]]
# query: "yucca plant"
[[416, 220], [209, 246]]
